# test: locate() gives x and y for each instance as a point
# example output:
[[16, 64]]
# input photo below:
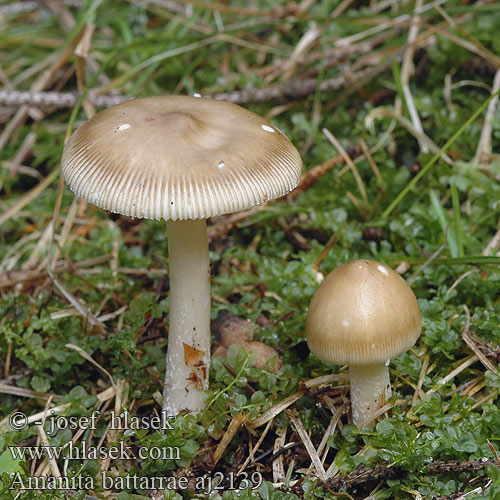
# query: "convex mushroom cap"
[[179, 157], [363, 313]]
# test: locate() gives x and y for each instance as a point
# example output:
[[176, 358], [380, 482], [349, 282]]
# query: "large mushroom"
[[363, 315], [182, 159]]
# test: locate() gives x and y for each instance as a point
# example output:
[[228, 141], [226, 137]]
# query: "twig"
[[362, 474], [56, 99], [14, 277], [307, 179], [472, 345], [30, 6], [294, 89], [489, 350], [462, 496]]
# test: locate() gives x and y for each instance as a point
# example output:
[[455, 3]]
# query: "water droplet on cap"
[[382, 269]]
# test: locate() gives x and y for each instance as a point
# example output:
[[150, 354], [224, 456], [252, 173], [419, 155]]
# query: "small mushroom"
[[182, 159], [363, 314]]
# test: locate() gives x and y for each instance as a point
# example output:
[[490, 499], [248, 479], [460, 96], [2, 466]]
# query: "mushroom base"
[[370, 389], [188, 353]]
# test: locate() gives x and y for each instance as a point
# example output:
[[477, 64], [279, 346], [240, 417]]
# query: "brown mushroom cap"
[[178, 157], [362, 313]]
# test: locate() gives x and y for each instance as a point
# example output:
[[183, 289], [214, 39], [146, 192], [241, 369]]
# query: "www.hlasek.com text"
[[71, 451]]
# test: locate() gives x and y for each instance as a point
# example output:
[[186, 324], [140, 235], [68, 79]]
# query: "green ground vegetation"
[[426, 203]]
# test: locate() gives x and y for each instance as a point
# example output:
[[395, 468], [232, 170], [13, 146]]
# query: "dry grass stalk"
[[65, 231], [13, 255], [325, 380], [419, 394], [330, 430], [459, 280], [304, 436], [27, 197], [82, 59], [326, 250], [231, 431], [8, 359], [14, 277], [40, 84], [54, 468], [376, 171], [77, 304], [103, 396], [405, 76], [381, 411], [483, 150], [278, 462], [341, 8], [473, 45], [384, 112], [476, 387], [22, 169], [24, 150], [487, 398], [112, 435], [304, 45], [66, 19], [275, 410], [25, 393], [254, 448], [90, 359], [289, 400], [470, 360], [350, 163]]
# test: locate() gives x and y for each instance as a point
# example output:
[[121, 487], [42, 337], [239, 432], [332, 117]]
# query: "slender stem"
[[370, 388], [188, 354]]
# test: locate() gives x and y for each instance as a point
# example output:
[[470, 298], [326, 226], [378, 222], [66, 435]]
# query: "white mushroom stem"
[[188, 353], [370, 389]]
